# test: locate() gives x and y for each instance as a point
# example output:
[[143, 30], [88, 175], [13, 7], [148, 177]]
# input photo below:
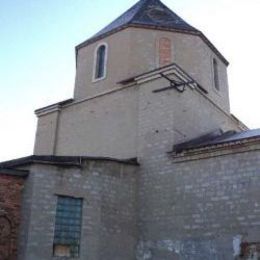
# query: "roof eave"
[[219, 145], [100, 37], [61, 160], [53, 107], [14, 172]]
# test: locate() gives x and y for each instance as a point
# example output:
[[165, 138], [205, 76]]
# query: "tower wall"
[[134, 51], [118, 55], [108, 124]]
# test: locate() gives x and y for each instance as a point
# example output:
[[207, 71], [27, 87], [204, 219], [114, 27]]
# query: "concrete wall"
[[108, 190]]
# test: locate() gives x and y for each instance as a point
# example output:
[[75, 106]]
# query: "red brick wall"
[[10, 206], [165, 52]]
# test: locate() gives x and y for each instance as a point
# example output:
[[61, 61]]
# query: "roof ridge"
[[138, 15], [150, 4], [140, 8], [166, 7], [136, 5]]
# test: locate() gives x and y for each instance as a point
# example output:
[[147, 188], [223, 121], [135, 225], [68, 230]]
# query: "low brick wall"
[[11, 185]]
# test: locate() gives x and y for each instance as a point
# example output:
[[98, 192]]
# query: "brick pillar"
[[165, 52]]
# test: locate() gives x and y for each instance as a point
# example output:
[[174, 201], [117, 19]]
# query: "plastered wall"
[[45, 139], [133, 51], [118, 55], [105, 126]]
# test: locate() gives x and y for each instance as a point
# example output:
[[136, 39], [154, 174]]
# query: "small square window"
[[67, 227]]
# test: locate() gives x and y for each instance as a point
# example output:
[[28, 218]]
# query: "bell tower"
[[147, 36], [114, 69]]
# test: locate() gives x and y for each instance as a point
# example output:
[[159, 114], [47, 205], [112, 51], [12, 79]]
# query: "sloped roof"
[[151, 14], [217, 137], [13, 172], [60, 160], [147, 13]]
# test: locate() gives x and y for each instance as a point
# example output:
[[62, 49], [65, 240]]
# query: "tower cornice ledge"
[[53, 107]]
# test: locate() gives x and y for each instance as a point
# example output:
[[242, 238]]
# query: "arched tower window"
[[215, 74], [100, 61], [164, 52]]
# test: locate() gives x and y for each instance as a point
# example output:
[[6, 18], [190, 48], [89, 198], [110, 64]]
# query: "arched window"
[[164, 52], [100, 62], [215, 74]]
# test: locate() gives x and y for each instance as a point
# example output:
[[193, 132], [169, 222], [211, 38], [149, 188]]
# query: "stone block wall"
[[101, 126], [195, 209], [108, 190], [202, 207], [11, 188]]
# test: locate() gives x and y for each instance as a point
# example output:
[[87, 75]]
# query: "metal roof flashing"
[[72, 161], [218, 139]]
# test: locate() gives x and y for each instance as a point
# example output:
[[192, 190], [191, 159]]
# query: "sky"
[[37, 58]]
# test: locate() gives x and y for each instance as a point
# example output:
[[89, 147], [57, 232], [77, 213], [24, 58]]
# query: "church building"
[[145, 162]]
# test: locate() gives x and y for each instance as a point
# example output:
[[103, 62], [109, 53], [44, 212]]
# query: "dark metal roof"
[[13, 172], [151, 14], [60, 160], [217, 137]]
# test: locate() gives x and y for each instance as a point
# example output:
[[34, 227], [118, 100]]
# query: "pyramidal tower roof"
[[151, 14], [146, 13]]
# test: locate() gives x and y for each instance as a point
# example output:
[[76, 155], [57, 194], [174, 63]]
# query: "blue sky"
[[37, 59]]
